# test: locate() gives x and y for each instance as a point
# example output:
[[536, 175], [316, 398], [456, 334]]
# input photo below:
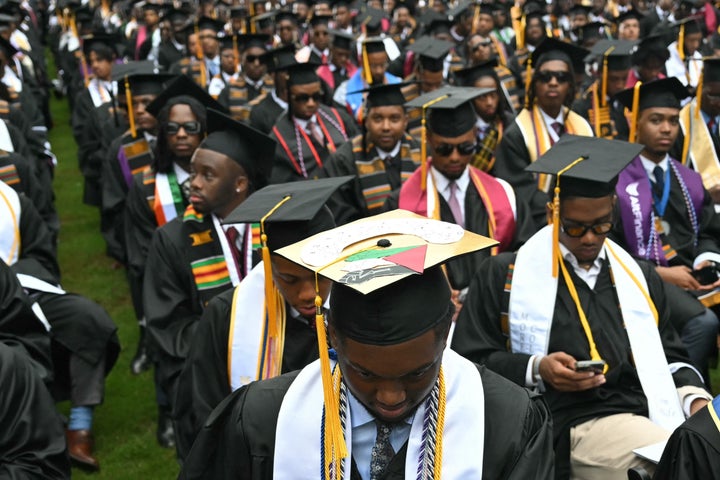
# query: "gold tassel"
[[528, 81], [518, 24], [367, 74], [698, 95], [423, 141], [131, 111], [476, 19], [634, 113], [556, 217], [603, 98], [236, 52], [681, 43]]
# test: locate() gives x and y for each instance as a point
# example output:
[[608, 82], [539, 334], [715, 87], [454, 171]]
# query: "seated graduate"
[[693, 450], [231, 341], [584, 298], [390, 377]]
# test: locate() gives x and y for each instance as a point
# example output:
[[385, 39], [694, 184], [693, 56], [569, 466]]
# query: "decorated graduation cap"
[[431, 52], [182, 86], [667, 92], [451, 115], [341, 39], [584, 167], [388, 289], [468, 76], [287, 213], [250, 148]]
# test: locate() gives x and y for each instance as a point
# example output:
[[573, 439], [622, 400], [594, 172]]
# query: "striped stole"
[[134, 156]]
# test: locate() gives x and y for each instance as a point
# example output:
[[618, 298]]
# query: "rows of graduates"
[[213, 138]]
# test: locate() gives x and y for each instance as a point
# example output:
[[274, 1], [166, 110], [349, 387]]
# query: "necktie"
[[455, 205], [382, 451], [232, 236], [659, 180], [558, 127], [316, 132], [185, 187]]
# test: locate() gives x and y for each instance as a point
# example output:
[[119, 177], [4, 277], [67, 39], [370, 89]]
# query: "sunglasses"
[[477, 46], [446, 149], [545, 76], [578, 230], [253, 58], [304, 97], [191, 128]]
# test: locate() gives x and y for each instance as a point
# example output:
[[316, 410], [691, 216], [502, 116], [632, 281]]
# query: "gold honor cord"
[[603, 97], [423, 141], [16, 232], [556, 216], [200, 56], [130, 109]]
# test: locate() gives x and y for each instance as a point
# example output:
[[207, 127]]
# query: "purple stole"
[[637, 212]]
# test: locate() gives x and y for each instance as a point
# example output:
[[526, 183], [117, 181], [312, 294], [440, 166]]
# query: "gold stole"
[[698, 149]]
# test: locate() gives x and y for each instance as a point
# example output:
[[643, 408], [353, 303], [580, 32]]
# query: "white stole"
[[5, 140], [9, 224], [298, 443], [531, 315]]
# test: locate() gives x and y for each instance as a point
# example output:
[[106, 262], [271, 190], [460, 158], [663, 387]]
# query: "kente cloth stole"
[[537, 138], [299, 431], [531, 316], [9, 174], [249, 355], [698, 148], [640, 222], [496, 195], [371, 173], [133, 156], [168, 200]]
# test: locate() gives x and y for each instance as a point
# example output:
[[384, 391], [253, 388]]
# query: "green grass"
[[124, 425]]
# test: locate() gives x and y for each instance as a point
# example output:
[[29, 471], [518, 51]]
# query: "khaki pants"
[[602, 448]]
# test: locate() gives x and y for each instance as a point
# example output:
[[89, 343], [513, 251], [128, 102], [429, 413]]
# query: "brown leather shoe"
[[80, 447]]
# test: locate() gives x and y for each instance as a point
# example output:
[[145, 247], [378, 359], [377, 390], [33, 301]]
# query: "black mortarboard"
[[590, 31], [238, 11], [175, 14], [468, 76], [534, 8], [403, 4], [156, 6], [207, 23], [618, 53], [372, 18], [100, 39], [84, 14], [143, 83], [182, 85], [431, 52], [147, 67], [302, 73], [341, 39], [486, 8], [374, 45], [265, 20], [250, 148], [7, 48], [428, 16], [596, 174], [667, 92], [632, 13], [580, 9], [384, 95], [650, 46], [688, 25], [459, 11], [285, 15], [279, 58], [552, 49], [711, 69], [438, 24], [248, 40], [320, 20]]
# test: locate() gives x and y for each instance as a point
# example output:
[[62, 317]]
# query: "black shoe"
[[165, 429], [141, 360]]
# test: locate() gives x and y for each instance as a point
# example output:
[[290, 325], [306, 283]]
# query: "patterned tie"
[[382, 451], [232, 237], [455, 205], [315, 131], [659, 180], [558, 127]]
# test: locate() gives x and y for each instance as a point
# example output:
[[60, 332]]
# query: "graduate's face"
[[182, 144], [143, 119], [551, 95], [252, 65], [218, 184], [485, 24], [303, 99], [487, 105], [378, 62], [390, 380], [386, 126], [629, 29], [657, 129], [616, 80], [581, 211], [297, 285], [101, 67], [321, 36], [711, 98], [692, 42], [453, 165]]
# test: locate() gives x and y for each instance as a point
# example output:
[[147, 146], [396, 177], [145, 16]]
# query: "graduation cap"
[[580, 9], [431, 52], [279, 58], [341, 39], [286, 15], [458, 12], [287, 213], [590, 31], [208, 23], [553, 49], [687, 26], [370, 45], [320, 20], [138, 78], [451, 115], [584, 167], [384, 95], [487, 8], [438, 25], [388, 288], [238, 11], [649, 47], [667, 92], [258, 40], [99, 40], [616, 54], [302, 73], [182, 86], [371, 18], [264, 21], [627, 15], [175, 15], [468, 76]]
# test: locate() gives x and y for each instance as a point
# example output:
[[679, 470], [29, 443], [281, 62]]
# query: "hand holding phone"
[[596, 366]]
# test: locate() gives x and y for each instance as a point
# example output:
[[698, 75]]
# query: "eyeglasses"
[[545, 76], [446, 149], [253, 58], [191, 128], [577, 230], [304, 97]]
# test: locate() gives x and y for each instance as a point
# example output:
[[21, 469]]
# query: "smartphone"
[[596, 366], [706, 275]]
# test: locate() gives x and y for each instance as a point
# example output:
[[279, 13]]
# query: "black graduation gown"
[[32, 442], [348, 203], [461, 270], [677, 150], [284, 169], [18, 173], [583, 107], [693, 450], [168, 55], [204, 382], [238, 439], [264, 115], [479, 337]]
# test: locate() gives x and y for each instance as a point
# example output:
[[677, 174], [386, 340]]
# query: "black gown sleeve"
[[37, 253], [344, 203], [113, 194]]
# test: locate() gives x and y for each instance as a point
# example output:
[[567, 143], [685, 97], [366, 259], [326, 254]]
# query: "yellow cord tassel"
[[528, 81], [367, 74], [423, 141], [634, 113], [603, 98], [698, 95], [681, 43], [518, 24], [200, 57], [556, 216], [130, 109]]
